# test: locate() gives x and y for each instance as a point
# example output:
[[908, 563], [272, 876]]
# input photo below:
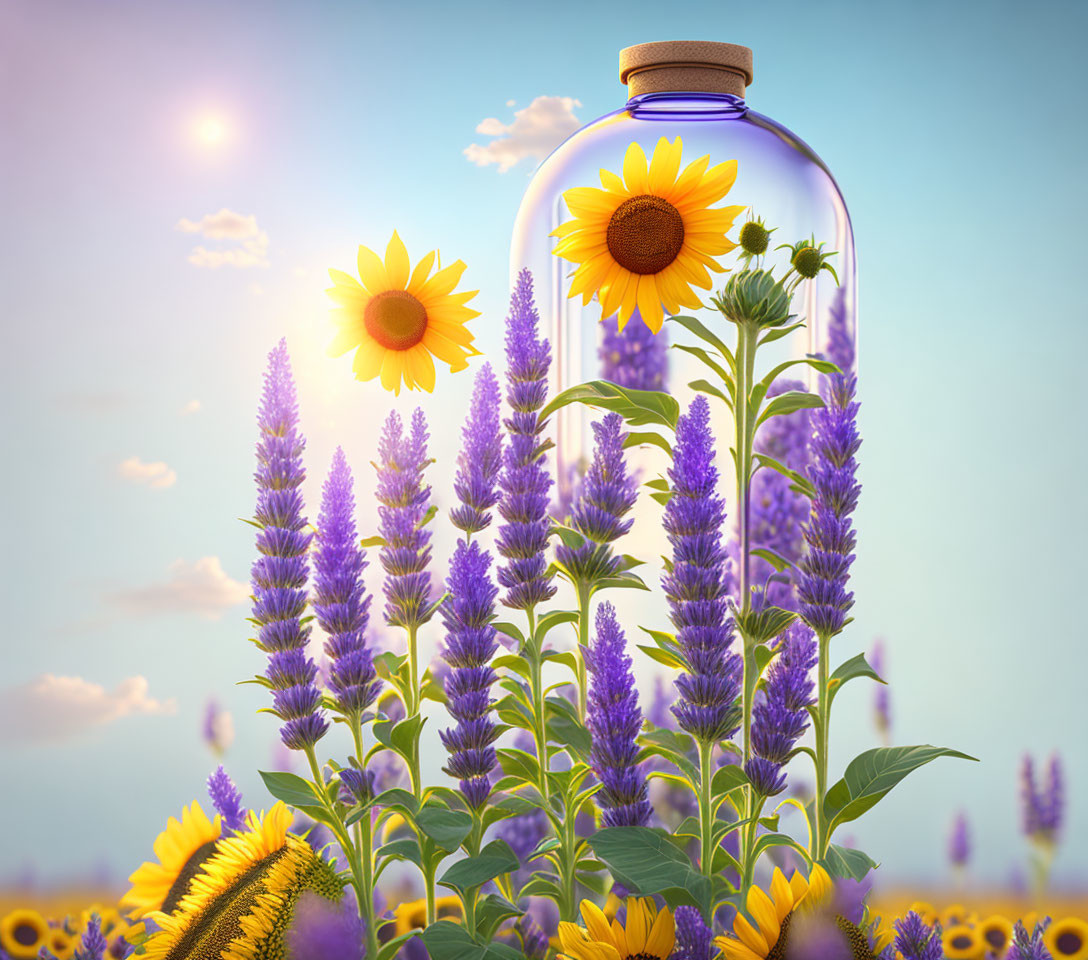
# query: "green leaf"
[[662, 656], [493, 860], [789, 402], [766, 624], [636, 438], [637, 407], [390, 948], [373, 542], [850, 670], [768, 840], [447, 828], [700, 354], [799, 480], [397, 797], [432, 512], [872, 774], [779, 332], [776, 560], [705, 386], [704, 333], [646, 862], [406, 849], [554, 619], [507, 629], [728, 778], [289, 788], [446, 940], [843, 862], [491, 911]]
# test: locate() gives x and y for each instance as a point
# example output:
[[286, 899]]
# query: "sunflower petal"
[[664, 166], [397, 264], [368, 361], [372, 271], [635, 174], [421, 272], [421, 366], [442, 282]]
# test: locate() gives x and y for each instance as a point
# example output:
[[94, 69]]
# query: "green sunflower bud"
[[754, 296], [807, 258], [755, 238]]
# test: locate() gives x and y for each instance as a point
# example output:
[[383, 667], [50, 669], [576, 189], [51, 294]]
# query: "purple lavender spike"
[[780, 715], [93, 944], [916, 940], [340, 602], [227, 801], [480, 460], [959, 842], [635, 356], [404, 499], [882, 713], [525, 480], [279, 576], [693, 936], [695, 587], [614, 720]]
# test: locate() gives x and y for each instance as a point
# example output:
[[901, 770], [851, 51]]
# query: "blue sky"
[[955, 131]]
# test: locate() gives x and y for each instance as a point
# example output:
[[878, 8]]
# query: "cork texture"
[[681, 65]]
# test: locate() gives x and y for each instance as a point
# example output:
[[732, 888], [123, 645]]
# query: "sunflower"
[[23, 933], [768, 937], [181, 848], [649, 933], [240, 903], [61, 944], [996, 933], [962, 942], [647, 238], [1067, 939], [957, 915], [398, 319], [413, 915]]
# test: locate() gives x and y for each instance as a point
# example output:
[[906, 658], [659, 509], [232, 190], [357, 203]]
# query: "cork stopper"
[[681, 66]]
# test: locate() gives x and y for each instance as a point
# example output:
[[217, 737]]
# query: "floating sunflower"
[[646, 239], [240, 902], [23, 933], [649, 934], [61, 944], [996, 934], [182, 848], [962, 942], [398, 319], [1067, 939]]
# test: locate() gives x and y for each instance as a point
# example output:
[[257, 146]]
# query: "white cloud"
[[193, 406], [203, 588], [535, 131], [155, 474], [52, 707], [251, 243]]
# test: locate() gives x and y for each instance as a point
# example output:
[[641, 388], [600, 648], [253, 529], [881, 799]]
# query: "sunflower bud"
[[755, 297], [755, 237], [808, 259]]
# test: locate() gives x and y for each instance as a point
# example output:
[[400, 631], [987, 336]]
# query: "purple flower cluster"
[[525, 480], [777, 513], [478, 465], [614, 720], [404, 500], [916, 940], [829, 533], [635, 356], [321, 929], [339, 600], [227, 801], [693, 936], [606, 497], [1027, 946], [694, 585], [279, 575], [882, 712], [959, 841], [470, 644], [841, 350], [92, 946], [780, 715], [1042, 808]]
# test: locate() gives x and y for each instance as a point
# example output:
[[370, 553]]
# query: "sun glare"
[[210, 130]]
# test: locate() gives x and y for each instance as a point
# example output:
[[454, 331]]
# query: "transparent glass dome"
[[779, 179]]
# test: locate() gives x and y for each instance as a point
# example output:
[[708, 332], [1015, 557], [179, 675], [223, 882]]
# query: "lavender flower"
[[614, 720], [882, 713], [279, 576], [916, 940], [693, 936], [1042, 809], [525, 480], [694, 585], [825, 569], [481, 457], [340, 603], [227, 801], [1027, 946], [606, 497], [959, 842], [321, 929], [780, 715], [357, 786], [92, 946], [533, 940], [217, 728], [470, 645], [635, 356], [404, 501], [840, 340]]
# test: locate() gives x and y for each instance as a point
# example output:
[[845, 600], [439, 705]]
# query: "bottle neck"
[[686, 105]]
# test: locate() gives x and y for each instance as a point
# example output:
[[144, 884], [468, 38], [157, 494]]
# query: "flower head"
[[23, 933], [829, 533], [227, 801], [648, 934], [614, 720], [645, 240], [1029, 946], [404, 499], [695, 587], [525, 481], [808, 258], [780, 715], [693, 936], [915, 940], [340, 601], [93, 944], [754, 238], [635, 357], [279, 576], [480, 460], [755, 297], [470, 644], [398, 319], [959, 841]]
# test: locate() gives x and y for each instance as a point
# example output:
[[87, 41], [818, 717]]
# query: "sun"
[[210, 129]]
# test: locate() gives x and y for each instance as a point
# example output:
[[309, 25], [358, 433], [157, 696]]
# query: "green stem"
[[411, 708], [584, 596], [568, 855], [821, 727], [364, 842], [706, 813], [536, 691]]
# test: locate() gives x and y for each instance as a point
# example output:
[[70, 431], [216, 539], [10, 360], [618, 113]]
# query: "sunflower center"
[[856, 940], [642, 956], [645, 234], [395, 319], [1068, 943], [996, 938], [962, 942], [25, 934]]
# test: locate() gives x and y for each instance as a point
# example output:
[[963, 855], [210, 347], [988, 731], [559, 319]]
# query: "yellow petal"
[[342, 279], [348, 297], [634, 169], [392, 370], [421, 272], [649, 302], [452, 331], [735, 950], [442, 282], [750, 936], [638, 925], [445, 349], [397, 264], [368, 361], [664, 166], [596, 922], [762, 910], [688, 180], [346, 337], [781, 894], [715, 185], [619, 938], [589, 202], [372, 271], [421, 367], [662, 937], [612, 183]]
